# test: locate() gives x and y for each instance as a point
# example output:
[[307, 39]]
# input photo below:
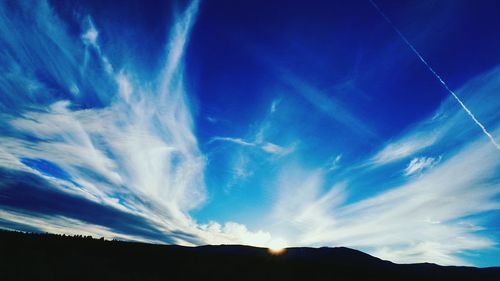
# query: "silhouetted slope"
[[54, 257]]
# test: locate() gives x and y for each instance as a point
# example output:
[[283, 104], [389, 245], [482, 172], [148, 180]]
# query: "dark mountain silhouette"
[[55, 257]]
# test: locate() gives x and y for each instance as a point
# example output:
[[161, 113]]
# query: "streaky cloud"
[[92, 143], [133, 153], [268, 147], [328, 105], [426, 219], [443, 83], [233, 140], [418, 164], [446, 124], [434, 216]]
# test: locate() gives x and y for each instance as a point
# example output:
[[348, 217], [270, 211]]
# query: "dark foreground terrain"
[[54, 257]]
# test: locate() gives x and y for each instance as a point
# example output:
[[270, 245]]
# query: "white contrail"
[[436, 75]]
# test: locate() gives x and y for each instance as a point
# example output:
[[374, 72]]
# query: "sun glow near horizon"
[[277, 247]]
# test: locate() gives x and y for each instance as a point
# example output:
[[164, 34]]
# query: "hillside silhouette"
[[54, 257]]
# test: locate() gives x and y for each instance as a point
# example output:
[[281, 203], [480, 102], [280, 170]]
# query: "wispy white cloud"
[[447, 125], [259, 147], [32, 48], [418, 164], [405, 147], [274, 105], [139, 146], [438, 77], [334, 163], [57, 224], [124, 86], [422, 220], [432, 217], [272, 148], [175, 49], [241, 164], [233, 140], [90, 36], [267, 147], [259, 138]]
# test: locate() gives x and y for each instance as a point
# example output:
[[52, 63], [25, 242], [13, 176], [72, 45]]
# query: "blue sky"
[[255, 123]]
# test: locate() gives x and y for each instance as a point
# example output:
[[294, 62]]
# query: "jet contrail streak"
[[436, 75]]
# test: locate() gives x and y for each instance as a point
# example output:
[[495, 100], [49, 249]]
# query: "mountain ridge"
[[27, 256]]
